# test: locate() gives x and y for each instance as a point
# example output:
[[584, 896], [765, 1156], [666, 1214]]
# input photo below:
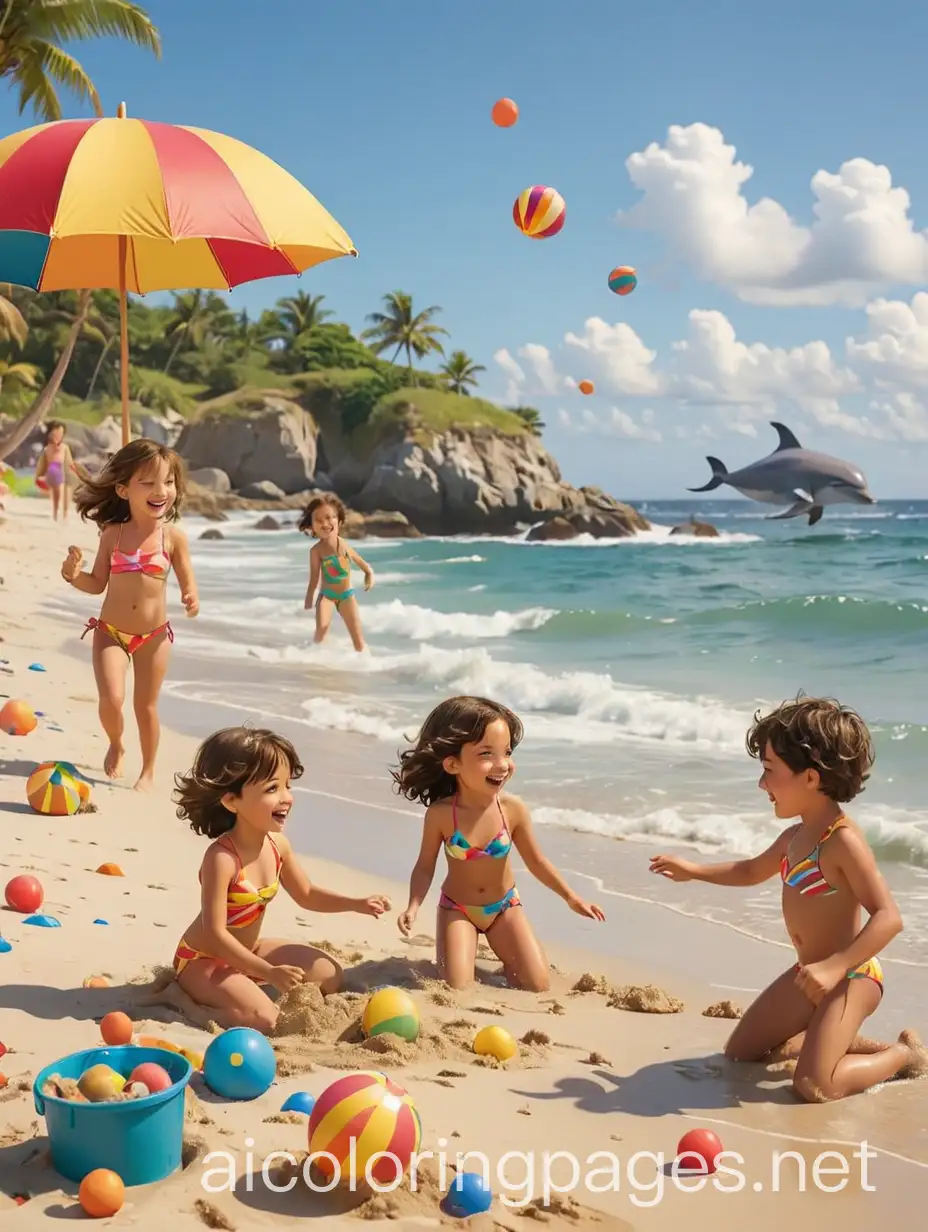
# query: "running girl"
[[238, 794], [816, 756], [55, 461], [458, 768], [330, 563], [138, 492]]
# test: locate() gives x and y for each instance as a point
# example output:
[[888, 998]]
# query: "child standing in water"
[[139, 491], [54, 464], [238, 794], [458, 768], [330, 563], [816, 756]]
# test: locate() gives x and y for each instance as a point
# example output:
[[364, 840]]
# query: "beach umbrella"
[[138, 205]]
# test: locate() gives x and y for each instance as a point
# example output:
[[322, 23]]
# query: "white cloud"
[[895, 350], [515, 375], [619, 354], [615, 423], [541, 380], [861, 239]]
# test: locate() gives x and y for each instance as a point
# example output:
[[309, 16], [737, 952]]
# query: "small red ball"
[[698, 1149], [25, 894]]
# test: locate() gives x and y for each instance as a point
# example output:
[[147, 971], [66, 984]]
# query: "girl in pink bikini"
[[458, 769], [54, 464], [139, 492]]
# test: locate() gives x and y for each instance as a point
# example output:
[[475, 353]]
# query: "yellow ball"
[[391, 1011], [495, 1042], [100, 1083]]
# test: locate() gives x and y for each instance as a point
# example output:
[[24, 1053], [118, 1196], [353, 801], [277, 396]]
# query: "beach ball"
[[53, 789], [623, 280], [504, 113], [698, 1150], [24, 894], [239, 1064], [539, 212], [586, 387], [101, 1193], [17, 718], [391, 1011], [495, 1042], [379, 1116], [469, 1195]]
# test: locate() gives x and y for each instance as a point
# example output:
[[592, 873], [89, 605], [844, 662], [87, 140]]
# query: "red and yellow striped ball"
[[57, 789], [539, 212], [379, 1116]]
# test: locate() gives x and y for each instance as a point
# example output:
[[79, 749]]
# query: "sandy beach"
[[593, 1075]]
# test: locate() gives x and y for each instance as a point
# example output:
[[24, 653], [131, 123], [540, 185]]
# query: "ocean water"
[[635, 665]]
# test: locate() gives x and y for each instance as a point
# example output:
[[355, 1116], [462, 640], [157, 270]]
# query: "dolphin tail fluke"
[[719, 476]]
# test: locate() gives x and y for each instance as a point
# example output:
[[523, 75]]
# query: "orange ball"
[[116, 1028], [504, 113], [586, 387], [102, 1193], [17, 718]]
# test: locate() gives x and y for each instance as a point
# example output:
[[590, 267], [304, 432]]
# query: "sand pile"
[[644, 999], [723, 1009]]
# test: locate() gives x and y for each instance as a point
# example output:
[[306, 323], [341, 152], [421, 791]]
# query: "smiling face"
[[56, 435], [790, 792], [264, 805], [325, 522], [152, 490], [485, 766]]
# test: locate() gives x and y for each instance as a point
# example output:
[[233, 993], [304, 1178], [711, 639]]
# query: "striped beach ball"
[[623, 280], [377, 1116], [391, 1011], [57, 789], [539, 212]]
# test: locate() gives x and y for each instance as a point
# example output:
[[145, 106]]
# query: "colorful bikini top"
[[332, 568], [806, 876], [155, 564], [245, 902], [458, 848]]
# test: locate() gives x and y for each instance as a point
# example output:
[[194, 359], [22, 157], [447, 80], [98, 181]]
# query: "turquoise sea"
[[635, 665]]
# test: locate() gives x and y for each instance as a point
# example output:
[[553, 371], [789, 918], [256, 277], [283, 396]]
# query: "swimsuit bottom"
[[336, 596], [54, 475], [130, 642], [185, 954], [869, 970], [482, 915]]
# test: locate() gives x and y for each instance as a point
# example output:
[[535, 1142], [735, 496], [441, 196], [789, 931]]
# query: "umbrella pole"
[[123, 339]]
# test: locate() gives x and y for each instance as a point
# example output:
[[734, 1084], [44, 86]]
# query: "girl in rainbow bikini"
[[817, 755], [330, 563], [458, 768], [137, 493], [238, 794]]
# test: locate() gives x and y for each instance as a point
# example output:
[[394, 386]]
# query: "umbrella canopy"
[[137, 205], [195, 208]]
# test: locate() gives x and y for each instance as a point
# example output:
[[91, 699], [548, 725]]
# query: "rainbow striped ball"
[[623, 280], [539, 212], [377, 1116], [57, 789], [391, 1011]]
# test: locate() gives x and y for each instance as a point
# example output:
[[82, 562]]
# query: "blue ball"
[[239, 1064], [469, 1195], [299, 1101]]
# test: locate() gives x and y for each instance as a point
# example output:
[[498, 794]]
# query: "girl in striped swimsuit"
[[817, 755]]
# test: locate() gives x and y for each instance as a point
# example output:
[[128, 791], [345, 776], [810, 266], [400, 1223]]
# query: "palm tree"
[[31, 55], [298, 314], [531, 418], [198, 315], [403, 329], [18, 376], [13, 326], [460, 371]]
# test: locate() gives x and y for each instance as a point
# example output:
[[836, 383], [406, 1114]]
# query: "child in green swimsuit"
[[330, 563]]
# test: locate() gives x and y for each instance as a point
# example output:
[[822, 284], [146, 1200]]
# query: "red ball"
[[504, 113], [155, 1077], [25, 894], [698, 1148]]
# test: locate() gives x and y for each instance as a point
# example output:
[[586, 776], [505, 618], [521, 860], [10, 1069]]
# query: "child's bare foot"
[[917, 1066], [112, 762], [146, 781]]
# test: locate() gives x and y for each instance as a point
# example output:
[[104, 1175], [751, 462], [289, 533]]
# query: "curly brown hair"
[[817, 733], [227, 761], [97, 499], [452, 724], [305, 523]]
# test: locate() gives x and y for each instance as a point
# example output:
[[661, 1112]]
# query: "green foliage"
[[159, 392], [429, 412]]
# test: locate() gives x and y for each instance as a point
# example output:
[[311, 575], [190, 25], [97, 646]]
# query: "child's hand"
[[816, 980], [376, 905], [285, 977], [369, 581], [590, 910], [308, 603], [72, 565], [191, 603], [406, 920], [672, 867]]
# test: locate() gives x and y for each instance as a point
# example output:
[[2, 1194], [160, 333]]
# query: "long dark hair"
[[452, 724], [97, 499]]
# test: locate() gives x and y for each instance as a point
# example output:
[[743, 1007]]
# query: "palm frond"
[[45, 68], [77, 20]]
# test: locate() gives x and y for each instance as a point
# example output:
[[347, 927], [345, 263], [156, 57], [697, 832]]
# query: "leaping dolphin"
[[791, 475]]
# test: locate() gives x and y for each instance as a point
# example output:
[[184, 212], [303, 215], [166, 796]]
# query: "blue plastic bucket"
[[139, 1139]]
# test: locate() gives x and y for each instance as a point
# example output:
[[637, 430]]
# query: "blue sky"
[[384, 114]]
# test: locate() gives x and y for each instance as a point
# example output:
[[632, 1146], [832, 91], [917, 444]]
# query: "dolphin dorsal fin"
[[787, 438]]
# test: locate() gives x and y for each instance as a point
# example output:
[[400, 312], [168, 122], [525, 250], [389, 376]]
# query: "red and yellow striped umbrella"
[[136, 205]]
